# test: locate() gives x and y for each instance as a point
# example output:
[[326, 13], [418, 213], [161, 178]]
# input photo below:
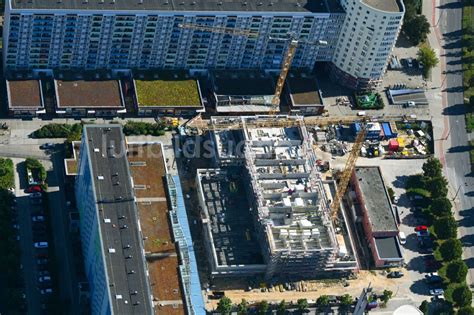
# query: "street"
[[454, 150]]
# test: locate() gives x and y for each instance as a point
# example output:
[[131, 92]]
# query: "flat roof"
[[168, 93], [24, 94], [118, 220], [89, 94], [284, 6], [242, 83], [147, 168], [385, 5], [375, 198], [304, 91], [388, 248]]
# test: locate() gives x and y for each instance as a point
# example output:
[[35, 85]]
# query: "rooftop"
[[388, 248], [305, 6], [148, 169], [385, 5], [24, 94], [242, 83], [89, 94], [168, 93], [375, 198], [304, 91], [118, 220]]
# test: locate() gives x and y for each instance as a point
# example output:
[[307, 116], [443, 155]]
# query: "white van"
[[402, 238], [362, 113]]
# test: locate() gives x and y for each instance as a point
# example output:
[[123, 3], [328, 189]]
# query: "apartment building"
[[144, 34], [111, 241], [366, 41]]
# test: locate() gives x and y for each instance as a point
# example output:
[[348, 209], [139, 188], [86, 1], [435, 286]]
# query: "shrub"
[[71, 132], [136, 128]]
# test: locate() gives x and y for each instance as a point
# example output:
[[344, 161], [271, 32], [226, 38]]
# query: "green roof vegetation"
[[167, 93]]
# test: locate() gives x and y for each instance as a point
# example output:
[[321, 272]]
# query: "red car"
[[33, 189], [420, 228]]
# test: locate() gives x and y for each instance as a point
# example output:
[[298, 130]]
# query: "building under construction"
[[265, 208]]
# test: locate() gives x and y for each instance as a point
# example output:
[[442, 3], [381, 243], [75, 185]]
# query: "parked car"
[[433, 278], [47, 146], [43, 273], [36, 195], [41, 245], [410, 62], [437, 291], [395, 274], [44, 279], [46, 291], [38, 218], [34, 189], [423, 233], [421, 228], [402, 238]]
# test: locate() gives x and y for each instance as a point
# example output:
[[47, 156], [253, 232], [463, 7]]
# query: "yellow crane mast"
[[286, 63], [347, 172]]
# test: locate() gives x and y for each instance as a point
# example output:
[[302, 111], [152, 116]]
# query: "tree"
[[302, 304], [441, 207], [224, 306], [243, 307], [263, 307], [427, 56], [469, 43], [416, 28], [424, 307], [432, 168], [281, 308], [451, 249], [346, 301], [322, 301], [466, 310], [387, 295], [445, 227], [437, 186], [456, 271], [462, 295]]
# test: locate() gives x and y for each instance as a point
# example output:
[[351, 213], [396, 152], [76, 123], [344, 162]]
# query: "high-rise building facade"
[[113, 252], [146, 34]]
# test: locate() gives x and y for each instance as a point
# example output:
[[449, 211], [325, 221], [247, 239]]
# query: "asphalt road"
[[457, 151], [68, 289]]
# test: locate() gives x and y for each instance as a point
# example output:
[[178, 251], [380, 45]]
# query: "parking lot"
[[411, 77], [47, 263], [418, 261]]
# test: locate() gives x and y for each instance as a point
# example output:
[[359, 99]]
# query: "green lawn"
[[468, 56], [167, 93]]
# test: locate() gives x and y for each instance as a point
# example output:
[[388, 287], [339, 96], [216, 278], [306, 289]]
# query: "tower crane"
[[233, 123], [287, 60]]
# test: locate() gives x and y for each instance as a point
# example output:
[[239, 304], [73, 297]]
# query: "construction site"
[[265, 208]]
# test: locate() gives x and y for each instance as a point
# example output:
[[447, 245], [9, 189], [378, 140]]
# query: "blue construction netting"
[[182, 234]]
